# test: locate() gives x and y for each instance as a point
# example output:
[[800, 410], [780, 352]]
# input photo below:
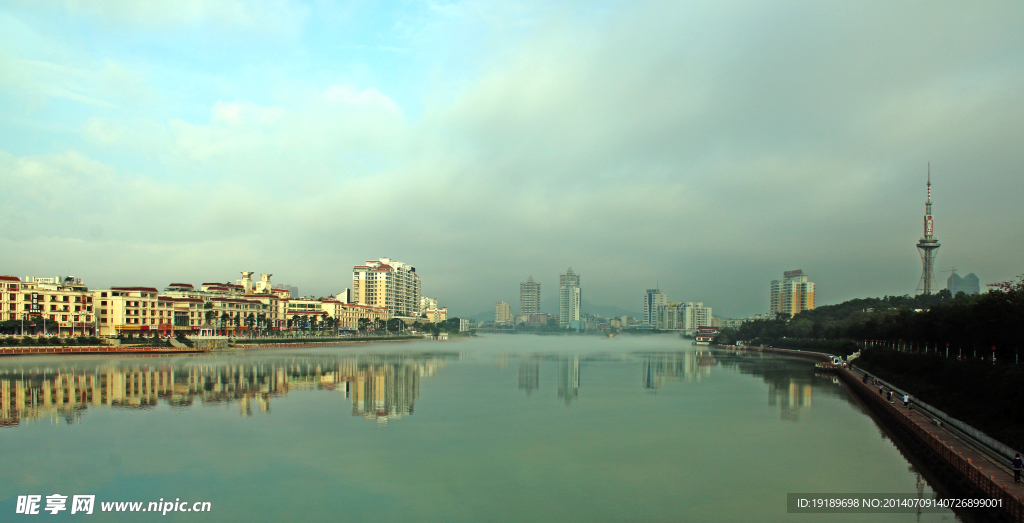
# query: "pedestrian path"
[[992, 477]]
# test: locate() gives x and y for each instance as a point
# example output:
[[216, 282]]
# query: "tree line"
[[970, 325]]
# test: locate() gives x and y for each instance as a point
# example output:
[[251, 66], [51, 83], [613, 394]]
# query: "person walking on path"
[[888, 396], [906, 400], [1016, 467]]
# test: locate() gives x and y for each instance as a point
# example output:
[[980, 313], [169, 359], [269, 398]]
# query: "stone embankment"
[[335, 343], [991, 478], [96, 349]]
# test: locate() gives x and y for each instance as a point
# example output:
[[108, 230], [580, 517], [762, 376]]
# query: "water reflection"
[[673, 366], [791, 398], [657, 368], [380, 387], [529, 375], [569, 378]]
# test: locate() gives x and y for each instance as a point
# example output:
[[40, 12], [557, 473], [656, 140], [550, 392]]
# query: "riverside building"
[[792, 294], [387, 283], [66, 301], [529, 297], [569, 298], [654, 299], [502, 313]]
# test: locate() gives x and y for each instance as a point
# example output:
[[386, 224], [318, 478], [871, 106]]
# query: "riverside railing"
[[991, 446]]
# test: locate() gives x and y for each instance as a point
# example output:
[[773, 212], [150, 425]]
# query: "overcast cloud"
[[702, 147]]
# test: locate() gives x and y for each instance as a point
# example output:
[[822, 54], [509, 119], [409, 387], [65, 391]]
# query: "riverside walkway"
[[991, 477]]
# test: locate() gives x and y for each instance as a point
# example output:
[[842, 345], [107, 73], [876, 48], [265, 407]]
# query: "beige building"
[[63, 300], [502, 313], [387, 283], [132, 310], [347, 314]]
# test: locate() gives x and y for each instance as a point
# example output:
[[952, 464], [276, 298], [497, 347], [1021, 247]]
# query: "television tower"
[[928, 245]]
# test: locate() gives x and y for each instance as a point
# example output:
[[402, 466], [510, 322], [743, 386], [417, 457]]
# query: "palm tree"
[[296, 321], [225, 319], [363, 322]]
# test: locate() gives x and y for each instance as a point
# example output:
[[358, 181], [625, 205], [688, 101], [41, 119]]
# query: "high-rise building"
[[502, 313], [968, 284], [387, 283], [529, 297], [792, 294], [653, 300], [686, 316], [568, 298], [928, 245]]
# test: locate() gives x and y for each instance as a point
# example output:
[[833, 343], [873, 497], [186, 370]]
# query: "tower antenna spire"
[[928, 245]]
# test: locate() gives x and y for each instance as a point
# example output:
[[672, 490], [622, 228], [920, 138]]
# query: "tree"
[[296, 321], [395, 324], [225, 320], [363, 323]]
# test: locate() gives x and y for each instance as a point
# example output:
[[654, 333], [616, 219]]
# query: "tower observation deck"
[[928, 245]]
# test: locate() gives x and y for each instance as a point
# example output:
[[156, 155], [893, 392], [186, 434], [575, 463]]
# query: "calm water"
[[500, 428]]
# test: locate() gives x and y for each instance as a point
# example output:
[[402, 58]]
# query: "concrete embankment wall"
[[97, 349], [314, 344], [964, 460]]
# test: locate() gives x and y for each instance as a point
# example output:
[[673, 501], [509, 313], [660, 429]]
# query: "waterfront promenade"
[[987, 475]]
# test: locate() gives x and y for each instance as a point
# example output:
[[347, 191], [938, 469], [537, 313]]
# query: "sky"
[[700, 147]]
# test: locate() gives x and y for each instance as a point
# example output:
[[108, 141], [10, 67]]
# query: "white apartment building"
[[683, 316], [569, 298], [387, 283], [654, 300]]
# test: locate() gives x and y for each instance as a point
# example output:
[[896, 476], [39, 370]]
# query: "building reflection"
[[791, 398], [569, 378], [380, 387], [674, 366], [529, 375]]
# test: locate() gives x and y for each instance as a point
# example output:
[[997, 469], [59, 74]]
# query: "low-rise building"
[[66, 301]]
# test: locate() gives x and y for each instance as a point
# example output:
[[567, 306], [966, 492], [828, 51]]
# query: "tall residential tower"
[[568, 298], [653, 300], [387, 283], [792, 294], [928, 245], [529, 297]]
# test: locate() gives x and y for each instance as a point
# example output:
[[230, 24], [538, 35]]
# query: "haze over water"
[[499, 428]]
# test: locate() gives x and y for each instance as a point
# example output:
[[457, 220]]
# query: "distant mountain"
[[481, 316], [607, 311]]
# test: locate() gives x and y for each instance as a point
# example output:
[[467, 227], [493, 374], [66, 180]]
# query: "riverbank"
[[987, 476], [278, 344], [97, 349]]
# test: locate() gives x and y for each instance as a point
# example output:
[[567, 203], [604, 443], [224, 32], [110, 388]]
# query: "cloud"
[[262, 15], [708, 146]]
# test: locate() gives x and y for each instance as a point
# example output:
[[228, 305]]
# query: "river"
[[496, 428]]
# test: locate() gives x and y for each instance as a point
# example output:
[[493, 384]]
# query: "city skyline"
[[253, 135]]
